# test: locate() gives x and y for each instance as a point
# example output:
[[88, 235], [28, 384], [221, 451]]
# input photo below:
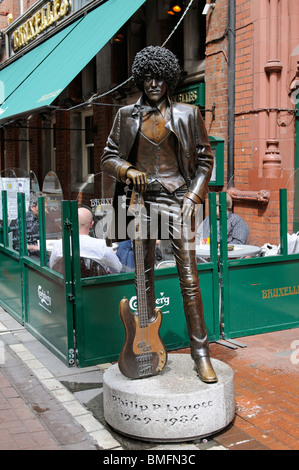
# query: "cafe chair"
[[89, 267], [92, 268], [167, 263]]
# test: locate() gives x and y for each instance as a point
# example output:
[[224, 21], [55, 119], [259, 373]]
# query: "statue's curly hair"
[[158, 61]]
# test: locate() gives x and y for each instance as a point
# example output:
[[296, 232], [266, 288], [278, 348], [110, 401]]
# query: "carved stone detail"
[[261, 197], [273, 67]]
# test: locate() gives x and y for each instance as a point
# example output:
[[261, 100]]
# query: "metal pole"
[[214, 259], [4, 218], [283, 221], [231, 91], [42, 231]]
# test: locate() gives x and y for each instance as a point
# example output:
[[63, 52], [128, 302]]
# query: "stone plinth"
[[174, 405]]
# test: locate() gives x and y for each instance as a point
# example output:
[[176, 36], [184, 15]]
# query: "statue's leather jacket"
[[193, 148]]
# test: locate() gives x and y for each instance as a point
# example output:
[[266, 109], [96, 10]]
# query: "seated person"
[[237, 229], [94, 248], [125, 254], [32, 227]]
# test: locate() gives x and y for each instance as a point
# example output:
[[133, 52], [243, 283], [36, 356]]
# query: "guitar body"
[[143, 353]]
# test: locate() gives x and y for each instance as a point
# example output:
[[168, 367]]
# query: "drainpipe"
[[231, 90]]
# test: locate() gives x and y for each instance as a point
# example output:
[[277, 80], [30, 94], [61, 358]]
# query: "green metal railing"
[[77, 318]]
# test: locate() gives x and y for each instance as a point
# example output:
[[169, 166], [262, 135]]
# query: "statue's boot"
[[205, 369]]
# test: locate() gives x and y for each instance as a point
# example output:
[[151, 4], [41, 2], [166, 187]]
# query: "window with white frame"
[[87, 144]]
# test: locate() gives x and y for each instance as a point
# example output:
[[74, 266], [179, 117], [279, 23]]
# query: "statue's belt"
[[158, 187]]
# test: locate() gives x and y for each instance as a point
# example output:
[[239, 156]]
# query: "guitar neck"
[[139, 266], [140, 284]]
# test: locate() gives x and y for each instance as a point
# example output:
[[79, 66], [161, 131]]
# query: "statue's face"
[[155, 89]]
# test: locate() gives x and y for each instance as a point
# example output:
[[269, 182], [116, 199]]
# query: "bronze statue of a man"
[[163, 149]]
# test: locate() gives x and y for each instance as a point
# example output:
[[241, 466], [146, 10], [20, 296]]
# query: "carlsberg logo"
[[45, 300], [161, 302]]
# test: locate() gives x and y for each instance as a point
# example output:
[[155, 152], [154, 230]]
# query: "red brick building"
[[264, 131], [242, 56]]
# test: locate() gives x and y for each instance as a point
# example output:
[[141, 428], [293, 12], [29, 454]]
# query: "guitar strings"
[[146, 361], [144, 329]]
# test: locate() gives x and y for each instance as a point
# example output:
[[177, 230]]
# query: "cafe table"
[[233, 252]]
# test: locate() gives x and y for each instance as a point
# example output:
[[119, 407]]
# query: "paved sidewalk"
[[45, 405], [30, 416], [266, 392], [19, 427]]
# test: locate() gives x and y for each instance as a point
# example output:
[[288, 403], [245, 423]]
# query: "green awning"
[[14, 74], [36, 79]]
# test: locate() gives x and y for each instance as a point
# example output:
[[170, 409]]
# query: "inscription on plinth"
[[176, 413], [173, 406]]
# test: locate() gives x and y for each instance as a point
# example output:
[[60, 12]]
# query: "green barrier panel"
[[263, 297], [11, 284], [11, 269], [46, 311], [48, 297], [32, 293], [258, 295]]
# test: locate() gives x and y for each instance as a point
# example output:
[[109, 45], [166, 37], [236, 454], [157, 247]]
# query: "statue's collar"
[[143, 107]]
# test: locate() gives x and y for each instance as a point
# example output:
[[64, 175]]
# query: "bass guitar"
[[143, 353]]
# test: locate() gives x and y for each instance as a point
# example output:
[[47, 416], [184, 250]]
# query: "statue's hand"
[[187, 210], [138, 178]]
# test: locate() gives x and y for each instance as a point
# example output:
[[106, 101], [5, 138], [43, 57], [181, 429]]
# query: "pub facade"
[[65, 71]]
